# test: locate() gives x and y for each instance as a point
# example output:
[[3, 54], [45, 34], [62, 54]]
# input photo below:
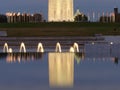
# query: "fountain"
[[58, 47], [71, 50], [5, 48], [76, 47], [10, 50], [40, 48], [22, 47]]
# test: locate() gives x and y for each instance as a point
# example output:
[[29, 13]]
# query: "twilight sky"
[[32, 6]]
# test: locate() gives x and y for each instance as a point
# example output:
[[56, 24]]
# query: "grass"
[[57, 24], [60, 29]]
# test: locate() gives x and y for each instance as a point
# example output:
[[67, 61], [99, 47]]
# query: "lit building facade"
[[24, 17], [60, 10], [113, 17], [108, 19]]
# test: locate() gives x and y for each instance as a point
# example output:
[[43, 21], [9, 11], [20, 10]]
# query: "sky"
[[33, 6]]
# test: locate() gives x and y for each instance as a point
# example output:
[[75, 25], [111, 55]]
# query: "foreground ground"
[[60, 29]]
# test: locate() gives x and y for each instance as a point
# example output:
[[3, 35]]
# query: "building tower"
[[60, 10], [116, 14]]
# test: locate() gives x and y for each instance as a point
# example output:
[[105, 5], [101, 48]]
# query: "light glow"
[[40, 48], [60, 10], [22, 47]]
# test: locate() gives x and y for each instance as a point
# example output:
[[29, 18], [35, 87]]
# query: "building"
[[37, 17], [24, 17], [108, 18], [80, 17], [117, 15], [113, 17], [60, 10]]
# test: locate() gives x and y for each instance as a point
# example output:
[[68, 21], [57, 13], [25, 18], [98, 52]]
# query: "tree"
[[81, 18], [3, 19]]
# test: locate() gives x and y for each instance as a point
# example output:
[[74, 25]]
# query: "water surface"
[[95, 67]]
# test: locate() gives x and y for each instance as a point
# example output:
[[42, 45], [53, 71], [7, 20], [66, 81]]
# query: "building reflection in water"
[[61, 69], [115, 60], [18, 57], [79, 56]]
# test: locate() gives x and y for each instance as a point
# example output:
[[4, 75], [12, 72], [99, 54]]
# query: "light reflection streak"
[[18, 57], [61, 69], [115, 60]]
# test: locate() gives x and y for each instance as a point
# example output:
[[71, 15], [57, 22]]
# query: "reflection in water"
[[22, 48], [79, 56], [61, 69], [58, 47], [116, 60], [18, 57], [40, 48]]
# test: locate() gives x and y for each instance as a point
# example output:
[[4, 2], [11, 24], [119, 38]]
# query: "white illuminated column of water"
[[22, 47], [76, 47], [10, 50], [40, 48], [71, 50], [5, 48], [58, 47]]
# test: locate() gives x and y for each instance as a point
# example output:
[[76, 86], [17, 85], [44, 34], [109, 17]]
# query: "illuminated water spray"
[[76, 47], [58, 47], [40, 47], [71, 49], [5, 48], [22, 48], [10, 50]]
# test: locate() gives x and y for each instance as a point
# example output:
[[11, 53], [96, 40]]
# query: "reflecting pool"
[[94, 65]]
